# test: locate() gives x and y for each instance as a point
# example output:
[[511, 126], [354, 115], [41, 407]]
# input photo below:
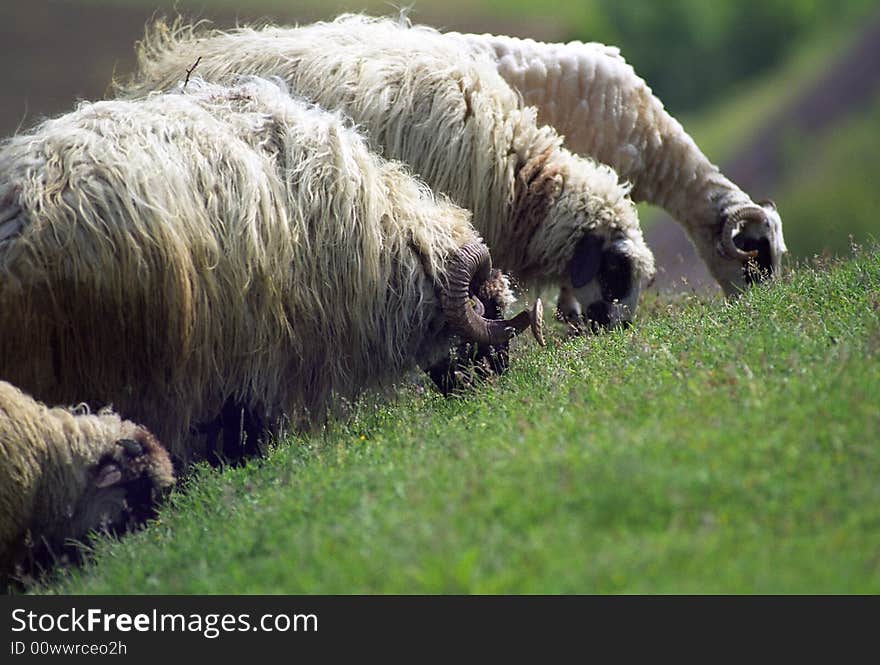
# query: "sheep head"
[[467, 271], [110, 492], [606, 276], [131, 475], [466, 364], [579, 226], [480, 355], [750, 246]]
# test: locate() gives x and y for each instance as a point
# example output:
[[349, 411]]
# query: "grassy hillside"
[[711, 448]]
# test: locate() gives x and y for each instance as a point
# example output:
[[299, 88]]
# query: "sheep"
[[605, 110], [224, 251], [64, 474], [548, 216]]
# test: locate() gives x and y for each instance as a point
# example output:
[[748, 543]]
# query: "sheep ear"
[[586, 260], [617, 273], [131, 447], [108, 475]]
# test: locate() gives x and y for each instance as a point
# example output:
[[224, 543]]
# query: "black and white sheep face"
[[602, 288], [761, 236]]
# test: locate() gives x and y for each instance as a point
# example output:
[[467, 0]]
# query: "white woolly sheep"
[[64, 474], [216, 247], [605, 110], [547, 215]]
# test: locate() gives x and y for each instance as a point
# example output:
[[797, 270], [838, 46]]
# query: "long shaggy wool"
[[448, 115], [170, 253], [48, 461]]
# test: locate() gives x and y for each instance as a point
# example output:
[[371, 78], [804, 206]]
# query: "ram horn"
[[532, 318], [732, 222], [472, 265]]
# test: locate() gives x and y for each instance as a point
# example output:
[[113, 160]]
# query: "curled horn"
[[733, 221], [472, 263]]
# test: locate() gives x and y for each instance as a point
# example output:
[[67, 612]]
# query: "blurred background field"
[[783, 94]]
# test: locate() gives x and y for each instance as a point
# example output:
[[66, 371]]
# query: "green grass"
[[710, 448]]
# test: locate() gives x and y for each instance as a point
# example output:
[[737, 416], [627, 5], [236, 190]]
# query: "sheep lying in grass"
[[64, 474], [605, 110], [224, 250], [547, 215]]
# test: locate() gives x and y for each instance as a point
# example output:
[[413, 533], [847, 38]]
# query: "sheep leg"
[[235, 434]]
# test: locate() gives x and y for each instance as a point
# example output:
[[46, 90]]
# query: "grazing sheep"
[[223, 250], [547, 215], [605, 110], [64, 474]]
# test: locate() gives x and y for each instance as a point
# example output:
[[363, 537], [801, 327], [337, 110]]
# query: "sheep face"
[[466, 364], [758, 247], [114, 493], [765, 238], [604, 283], [592, 240], [123, 487]]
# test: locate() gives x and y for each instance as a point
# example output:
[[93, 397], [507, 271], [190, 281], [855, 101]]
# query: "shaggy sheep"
[[547, 215], [223, 251], [605, 110], [64, 474]]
